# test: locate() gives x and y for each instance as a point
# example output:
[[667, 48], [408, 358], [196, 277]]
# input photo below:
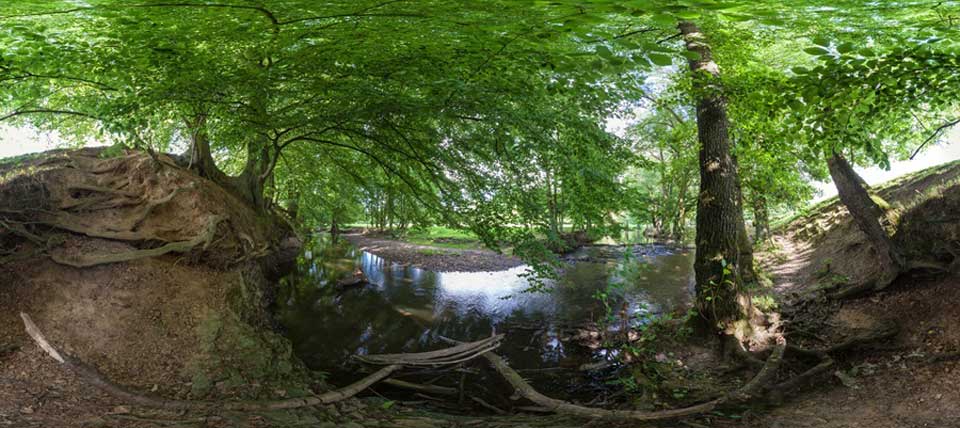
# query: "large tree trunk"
[[199, 158], [866, 214], [719, 216]]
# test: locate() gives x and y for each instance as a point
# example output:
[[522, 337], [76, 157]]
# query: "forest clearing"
[[503, 213]]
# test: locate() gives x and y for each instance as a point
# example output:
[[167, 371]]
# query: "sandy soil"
[[437, 259]]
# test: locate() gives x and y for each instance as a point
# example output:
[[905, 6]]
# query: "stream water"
[[406, 309]]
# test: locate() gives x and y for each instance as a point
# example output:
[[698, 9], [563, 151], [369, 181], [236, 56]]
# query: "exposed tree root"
[[858, 290], [72, 223], [142, 215], [173, 247], [19, 230], [105, 190], [754, 388]]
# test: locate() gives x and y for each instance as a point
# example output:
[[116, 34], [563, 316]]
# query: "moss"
[[239, 359], [884, 205]]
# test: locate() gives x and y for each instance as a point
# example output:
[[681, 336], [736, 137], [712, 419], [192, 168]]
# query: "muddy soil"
[[436, 259]]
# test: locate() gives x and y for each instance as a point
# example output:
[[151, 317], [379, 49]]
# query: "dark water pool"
[[405, 309]]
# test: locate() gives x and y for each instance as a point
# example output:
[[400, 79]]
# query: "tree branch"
[[29, 75], [935, 134], [50, 111]]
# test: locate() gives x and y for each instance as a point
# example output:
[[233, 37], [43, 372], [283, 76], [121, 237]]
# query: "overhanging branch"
[[935, 134], [48, 111]]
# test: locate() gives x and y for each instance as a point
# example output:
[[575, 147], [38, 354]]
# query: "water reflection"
[[404, 309]]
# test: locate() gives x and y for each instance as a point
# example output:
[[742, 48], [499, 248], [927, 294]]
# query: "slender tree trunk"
[[761, 218], [199, 156], [719, 217], [334, 226], [747, 274], [866, 214]]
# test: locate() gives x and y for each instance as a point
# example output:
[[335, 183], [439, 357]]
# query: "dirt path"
[[437, 259]]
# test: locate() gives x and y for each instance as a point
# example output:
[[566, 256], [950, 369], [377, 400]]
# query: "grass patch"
[[445, 237], [778, 225]]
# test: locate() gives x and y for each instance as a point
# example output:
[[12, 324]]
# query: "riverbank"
[[159, 279], [908, 380], [432, 257]]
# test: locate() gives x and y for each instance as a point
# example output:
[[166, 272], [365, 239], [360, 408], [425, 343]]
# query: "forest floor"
[[433, 257], [911, 380]]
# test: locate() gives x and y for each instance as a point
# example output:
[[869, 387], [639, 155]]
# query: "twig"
[[487, 405]]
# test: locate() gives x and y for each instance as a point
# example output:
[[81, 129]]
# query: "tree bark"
[[761, 219], [747, 274], [248, 185], [866, 214], [719, 216]]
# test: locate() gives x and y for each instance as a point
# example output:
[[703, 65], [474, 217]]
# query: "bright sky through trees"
[[18, 141]]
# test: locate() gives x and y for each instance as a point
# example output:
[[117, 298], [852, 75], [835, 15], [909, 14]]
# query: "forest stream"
[[551, 335]]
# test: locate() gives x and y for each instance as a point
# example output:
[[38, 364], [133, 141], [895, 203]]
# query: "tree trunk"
[[761, 219], [334, 227], [719, 216], [199, 159], [866, 214], [747, 274]]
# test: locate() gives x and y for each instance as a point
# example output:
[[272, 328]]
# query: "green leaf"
[[816, 51], [660, 59], [821, 41], [847, 47], [604, 52], [691, 55], [664, 19]]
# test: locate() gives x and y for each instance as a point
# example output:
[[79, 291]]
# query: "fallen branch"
[[459, 353], [487, 405], [430, 389]]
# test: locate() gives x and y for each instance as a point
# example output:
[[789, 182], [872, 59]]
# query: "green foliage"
[[485, 115]]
